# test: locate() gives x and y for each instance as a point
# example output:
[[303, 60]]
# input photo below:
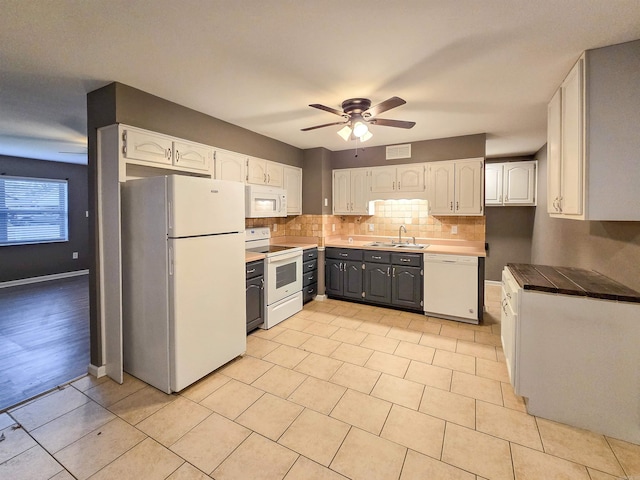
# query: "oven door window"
[[286, 274]]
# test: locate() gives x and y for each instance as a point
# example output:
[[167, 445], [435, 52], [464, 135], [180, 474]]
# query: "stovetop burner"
[[269, 249]]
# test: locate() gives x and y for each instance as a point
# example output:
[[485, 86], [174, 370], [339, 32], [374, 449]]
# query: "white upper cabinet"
[[192, 156], [456, 187], [142, 147], [394, 182], [147, 146], [292, 177], [592, 138], [351, 192], [230, 166], [264, 172], [511, 183]]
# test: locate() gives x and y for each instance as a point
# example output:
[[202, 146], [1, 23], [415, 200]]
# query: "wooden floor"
[[44, 337]]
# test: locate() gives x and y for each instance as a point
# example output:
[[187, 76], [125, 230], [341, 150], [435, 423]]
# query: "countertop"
[[436, 245], [571, 281]]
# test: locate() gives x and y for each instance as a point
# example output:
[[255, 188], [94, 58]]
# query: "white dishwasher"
[[451, 287]]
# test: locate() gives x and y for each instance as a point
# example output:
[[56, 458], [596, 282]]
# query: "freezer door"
[[207, 305], [203, 206]]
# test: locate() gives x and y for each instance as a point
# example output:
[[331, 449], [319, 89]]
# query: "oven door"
[[284, 275]]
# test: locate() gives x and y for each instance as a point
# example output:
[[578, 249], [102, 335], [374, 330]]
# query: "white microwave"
[[263, 201]]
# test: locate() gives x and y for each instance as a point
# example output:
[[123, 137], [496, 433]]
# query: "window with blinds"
[[33, 210]]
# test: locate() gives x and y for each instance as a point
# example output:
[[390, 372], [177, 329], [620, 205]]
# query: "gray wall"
[[316, 182], [508, 232], [611, 248], [25, 261], [469, 146]]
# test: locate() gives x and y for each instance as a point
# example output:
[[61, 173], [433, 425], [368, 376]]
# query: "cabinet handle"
[[265, 178], [509, 295], [388, 271], [560, 204], [344, 254], [405, 259], [398, 185], [310, 290], [177, 156], [451, 207], [457, 206], [251, 271], [168, 153], [268, 178], [393, 187], [377, 258], [394, 272], [262, 284]]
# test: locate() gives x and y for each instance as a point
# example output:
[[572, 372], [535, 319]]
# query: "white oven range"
[[283, 275]]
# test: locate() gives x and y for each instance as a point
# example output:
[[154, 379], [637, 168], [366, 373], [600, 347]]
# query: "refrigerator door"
[[207, 305], [202, 206]]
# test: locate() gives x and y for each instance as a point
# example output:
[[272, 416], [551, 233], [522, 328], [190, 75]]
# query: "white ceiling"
[[463, 66]]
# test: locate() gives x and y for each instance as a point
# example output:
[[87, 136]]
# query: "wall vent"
[[395, 152]]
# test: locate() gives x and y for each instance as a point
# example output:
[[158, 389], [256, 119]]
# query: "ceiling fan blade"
[[320, 126], [388, 104], [392, 123], [328, 109]]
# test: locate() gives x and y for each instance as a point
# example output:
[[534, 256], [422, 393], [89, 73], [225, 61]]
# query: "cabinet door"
[[230, 166], [406, 287], [293, 186], [255, 302], [441, 188], [410, 178], [146, 146], [469, 191], [377, 282], [520, 183], [334, 277], [360, 191], [256, 171], [341, 192], [383, 179], [275, 173], [192, 156], [353, 280], [554, 152], [571, 175], [493, 184]]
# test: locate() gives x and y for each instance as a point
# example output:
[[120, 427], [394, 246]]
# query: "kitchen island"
[[570, 338]]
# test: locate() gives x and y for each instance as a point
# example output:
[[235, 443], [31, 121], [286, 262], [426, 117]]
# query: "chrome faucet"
[[402, 227]]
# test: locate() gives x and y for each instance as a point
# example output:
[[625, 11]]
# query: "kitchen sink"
[[417, 246]]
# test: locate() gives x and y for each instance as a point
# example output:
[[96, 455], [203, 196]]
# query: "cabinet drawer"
[[309, 278], [344, 253], [411, 259], [377, 256], [254, 269], [310, 254], [309, 266], [309, 292]]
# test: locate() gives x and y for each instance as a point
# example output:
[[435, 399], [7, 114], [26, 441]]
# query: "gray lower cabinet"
[[255, 294], [380, 277], [344, 273], [309, 274]]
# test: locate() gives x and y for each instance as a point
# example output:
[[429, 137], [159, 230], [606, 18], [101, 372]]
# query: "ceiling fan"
[[357, 114]]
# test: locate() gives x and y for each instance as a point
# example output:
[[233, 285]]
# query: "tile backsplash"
[[386, 220]]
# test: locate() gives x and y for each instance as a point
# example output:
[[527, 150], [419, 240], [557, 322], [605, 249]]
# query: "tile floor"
[[338, 391]]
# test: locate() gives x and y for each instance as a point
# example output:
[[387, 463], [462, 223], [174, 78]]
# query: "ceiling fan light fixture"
[[367, 135], [345, 132], [360, 129]]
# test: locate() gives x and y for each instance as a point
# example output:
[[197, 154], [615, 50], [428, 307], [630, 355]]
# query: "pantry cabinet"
[[511, 183], [292, 181], [264, 172], [351, 192], [456, 187], [592, 140], [230, 166]]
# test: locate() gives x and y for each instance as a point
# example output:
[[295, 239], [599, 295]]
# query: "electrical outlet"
[[275, 227], [74, 255], [333, 227], [326, 202], [86, 213], [454, 229], [371, 227]]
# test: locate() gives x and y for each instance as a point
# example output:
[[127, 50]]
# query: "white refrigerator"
[[183, 278]]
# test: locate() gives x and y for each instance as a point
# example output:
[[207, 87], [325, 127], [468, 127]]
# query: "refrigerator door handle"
[[170, 260]]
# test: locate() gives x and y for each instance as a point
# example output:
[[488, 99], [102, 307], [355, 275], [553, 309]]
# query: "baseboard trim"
[[97, 372], [493, 282], [43, 278], [320, 298]]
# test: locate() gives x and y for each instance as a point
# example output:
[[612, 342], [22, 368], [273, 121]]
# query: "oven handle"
[[285, 257]]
